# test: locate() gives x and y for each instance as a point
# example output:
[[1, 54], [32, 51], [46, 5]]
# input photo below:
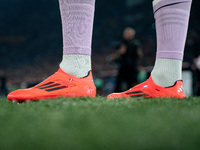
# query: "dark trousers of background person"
[[3, 87], [127, 75], [197, 83]]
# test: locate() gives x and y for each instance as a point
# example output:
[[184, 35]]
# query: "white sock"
[[156, 1], [166, 71], [76, 64]]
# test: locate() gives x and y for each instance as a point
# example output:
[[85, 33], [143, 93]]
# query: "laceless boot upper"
[[150, 89], [58, 85]]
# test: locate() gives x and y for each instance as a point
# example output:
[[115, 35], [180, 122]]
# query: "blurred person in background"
[[74, 77], [127, 57], [3, 87], [197, 75]]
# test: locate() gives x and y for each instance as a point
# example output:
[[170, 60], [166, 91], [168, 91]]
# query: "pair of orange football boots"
[[62, 84]]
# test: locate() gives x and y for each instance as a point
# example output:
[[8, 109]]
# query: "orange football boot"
[[151, 90], [58, 85]]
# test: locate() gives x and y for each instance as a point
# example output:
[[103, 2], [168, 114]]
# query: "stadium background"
[[31, 36], [31, 49]]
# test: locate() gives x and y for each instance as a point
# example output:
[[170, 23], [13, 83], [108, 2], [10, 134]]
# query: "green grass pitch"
[[100, 124]]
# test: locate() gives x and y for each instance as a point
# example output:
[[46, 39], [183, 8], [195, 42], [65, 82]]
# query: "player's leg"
[[171, 27], [172, 17], [77, 21], [74, 77]]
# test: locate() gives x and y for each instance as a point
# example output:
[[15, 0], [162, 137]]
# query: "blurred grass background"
[[98, 123]]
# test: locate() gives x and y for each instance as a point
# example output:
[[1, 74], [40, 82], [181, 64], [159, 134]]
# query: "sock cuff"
[[163, 3], [170, 55], [80, 2], [179, 15], [77, 50], [77, 6]]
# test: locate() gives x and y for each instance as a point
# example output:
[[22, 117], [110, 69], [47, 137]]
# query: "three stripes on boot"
[[51, 86]]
